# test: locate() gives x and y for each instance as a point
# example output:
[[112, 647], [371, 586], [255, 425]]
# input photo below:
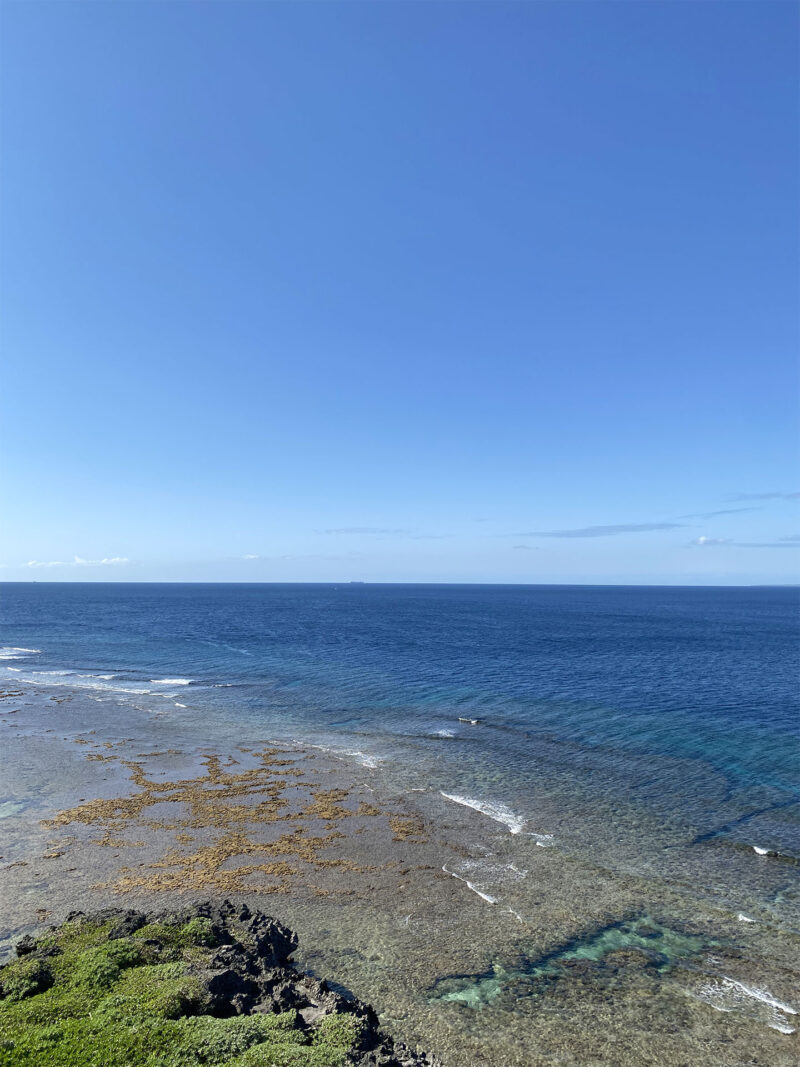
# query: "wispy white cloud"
[[77, 561], [385, 531], [765, 496], [721, 511], [251, 555], [782, 542], [605, 531], [376, 530]]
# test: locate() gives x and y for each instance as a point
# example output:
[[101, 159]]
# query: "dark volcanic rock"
[[247, 970], [25, 945]]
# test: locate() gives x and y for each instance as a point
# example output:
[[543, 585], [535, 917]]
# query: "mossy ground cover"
[[83, 1000]]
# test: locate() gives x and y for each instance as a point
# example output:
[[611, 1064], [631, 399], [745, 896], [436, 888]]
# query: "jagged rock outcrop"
[[239, 962]]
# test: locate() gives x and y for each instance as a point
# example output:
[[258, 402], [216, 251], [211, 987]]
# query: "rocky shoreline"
[[220, 962]]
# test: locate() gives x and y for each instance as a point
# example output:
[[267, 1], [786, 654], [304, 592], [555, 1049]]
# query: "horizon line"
[[357, 581]]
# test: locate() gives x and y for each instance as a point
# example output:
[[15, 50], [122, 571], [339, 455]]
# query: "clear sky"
[[400, 291]]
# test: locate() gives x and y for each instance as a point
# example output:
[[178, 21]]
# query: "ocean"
[[649, 733]]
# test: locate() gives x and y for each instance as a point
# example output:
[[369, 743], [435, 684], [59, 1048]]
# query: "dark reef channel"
[[641, 941]]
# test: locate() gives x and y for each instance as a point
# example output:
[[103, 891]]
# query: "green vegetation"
[[82, 1000]]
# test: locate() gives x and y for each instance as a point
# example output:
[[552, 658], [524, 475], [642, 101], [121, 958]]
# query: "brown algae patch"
[[107, 841], [409, 828], [240, 810]]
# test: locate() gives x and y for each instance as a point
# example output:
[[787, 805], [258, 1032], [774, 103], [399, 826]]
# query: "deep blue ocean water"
[[681, 703]]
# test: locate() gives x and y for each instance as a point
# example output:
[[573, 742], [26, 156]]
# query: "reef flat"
[[476, 931]]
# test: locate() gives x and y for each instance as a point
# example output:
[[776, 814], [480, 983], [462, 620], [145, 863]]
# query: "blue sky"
[[400, 291]]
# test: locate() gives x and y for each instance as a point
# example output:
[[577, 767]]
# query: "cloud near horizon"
[[605, 531], [783, 542], [76, 561], [379, 530], [383, 531]]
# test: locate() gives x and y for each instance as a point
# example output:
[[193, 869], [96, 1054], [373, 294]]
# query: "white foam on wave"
[[487, 870], [364, 758], [445, 733], [744, 918], [760, 851], [479, 875], [11, 652], [73, 680], [177, 705], [67, 674], [470, 885], [728, 994], [494, 809], [84, 681], [542, 840]]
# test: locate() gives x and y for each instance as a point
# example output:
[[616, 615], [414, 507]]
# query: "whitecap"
[[744, 918], [760, 851], [84, 681], [728, 995], [483, 870], [542, 840], [493, 808], [170, 681], [364, 758], [469, 885], [445, 733], [177, 705], [11, 652]]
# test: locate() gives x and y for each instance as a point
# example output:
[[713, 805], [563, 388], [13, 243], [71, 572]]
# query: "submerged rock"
[[208, 983]]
